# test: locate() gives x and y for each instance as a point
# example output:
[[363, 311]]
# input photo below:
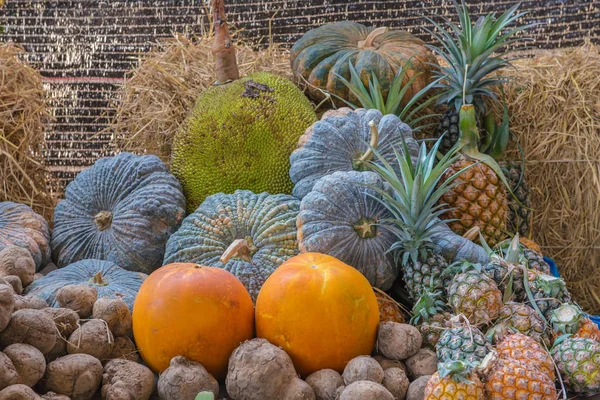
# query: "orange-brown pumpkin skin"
[[322, 312], [201, 313]]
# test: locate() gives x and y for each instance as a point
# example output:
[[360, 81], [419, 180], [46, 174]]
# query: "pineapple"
[[468, 50], [527, 351], [412, 201], [524, 319], [474, 295], [578, 361], [497, 333], [431, 317], [455, 380], [507, 378], [389, 309], [462, 343], [535, 261], [548, 292], [569, 319], [531, 245], [519, 210]]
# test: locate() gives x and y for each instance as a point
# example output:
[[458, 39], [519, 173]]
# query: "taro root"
[[365, 390], [124, 348], [184, 379], [31, 302], [116, 314], [8, 373], [17, 261], [75, 375], [7, 304], [125, 379], [19, 392], [363, 368], [80, 298], [398, 341], [32, 327], [325, 383], [396, 382], [28, 361], [93, 338]]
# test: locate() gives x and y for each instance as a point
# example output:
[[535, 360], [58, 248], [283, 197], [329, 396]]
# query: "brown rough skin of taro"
[[8, 373], [421, 364], [416, 390], [76, 375], [125, 349], [259, 370], [7, 305], [184, 379], [93, 338], [55, 396], [297, 389], [30, 302], [14, 282], [79, 298], [17, 261], [18, 392], [396, 382], [363, 368], [32, 327], [398, 341], [385, 363], [128, 380], [325, 383], [28, 361], [65, 319], [365, 390], [116, 314]]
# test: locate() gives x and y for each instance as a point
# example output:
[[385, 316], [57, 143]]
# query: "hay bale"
[[159, 93], [23, 116], [554, 100]]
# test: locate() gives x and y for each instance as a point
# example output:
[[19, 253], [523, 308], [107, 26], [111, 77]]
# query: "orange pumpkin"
[[322, 312], [201, 313]]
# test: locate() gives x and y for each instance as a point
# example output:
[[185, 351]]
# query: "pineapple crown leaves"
[[429, 304], [550, 285], [372, 97], [458, 370], [461, 266], [413, 198], [468, 51], [567, 318]]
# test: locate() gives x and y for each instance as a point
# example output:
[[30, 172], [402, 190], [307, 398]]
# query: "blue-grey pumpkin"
[[23, 227], [247, 234], [108, 278], [337, 143], [339, 217], [123, 209]]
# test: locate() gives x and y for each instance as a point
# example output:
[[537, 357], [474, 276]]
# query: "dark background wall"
[[84, 48]]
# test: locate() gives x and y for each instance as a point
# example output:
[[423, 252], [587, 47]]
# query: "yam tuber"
[[124, 348], [7, 305], [421, 364], [325, 383], [116, 314], [32, 327], [80, 298], [28, 361], [29, 301], [386, 363], [184, 379], [365, 390], [18, 392], [93, 338], [363, 368], [8, 373], [75, 375], [396, 382], [259, 370], [65, 319], [398, 341], [14, 281], [416, 390], [128, 380], [297, 389], [17, 261]]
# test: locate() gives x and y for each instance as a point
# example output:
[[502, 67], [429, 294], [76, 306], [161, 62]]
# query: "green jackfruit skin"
[[233, 140]]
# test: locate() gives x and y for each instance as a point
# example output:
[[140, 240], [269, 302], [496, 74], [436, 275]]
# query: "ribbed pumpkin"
[[321, 311], [339, 217], [325, 52], [197, 312], [245, 233], [108, 278], [122, 209], [23, 227], [340, 143]]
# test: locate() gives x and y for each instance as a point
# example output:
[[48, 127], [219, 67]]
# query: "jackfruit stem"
[[368, 156], [375, 33], [223, 49], [238, 248]]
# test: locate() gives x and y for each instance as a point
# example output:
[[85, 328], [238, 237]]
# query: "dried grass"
[[159, 93], [554, 100], [23, 115]]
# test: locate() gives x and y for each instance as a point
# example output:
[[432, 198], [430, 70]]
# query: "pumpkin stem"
[[98, 280], [240, 249], [472, 233], [223, 48], [103, 220], [368, 156], [368, 42]]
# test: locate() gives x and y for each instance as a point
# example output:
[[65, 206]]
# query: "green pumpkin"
[[325, 52], [245, 233]]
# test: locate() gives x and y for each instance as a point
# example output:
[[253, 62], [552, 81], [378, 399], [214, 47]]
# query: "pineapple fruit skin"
[[527, 351], [462, 343], [477, 199], [423, 273], [476, 296], [448, 126], [578, 361], [447, 389], [432, 329], [389, 311], [524, 319], [519, 215], [510, 379]]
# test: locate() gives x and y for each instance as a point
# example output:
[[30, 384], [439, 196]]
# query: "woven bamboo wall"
[[84, 48]]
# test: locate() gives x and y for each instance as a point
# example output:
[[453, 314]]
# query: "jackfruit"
[[240, 136]]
